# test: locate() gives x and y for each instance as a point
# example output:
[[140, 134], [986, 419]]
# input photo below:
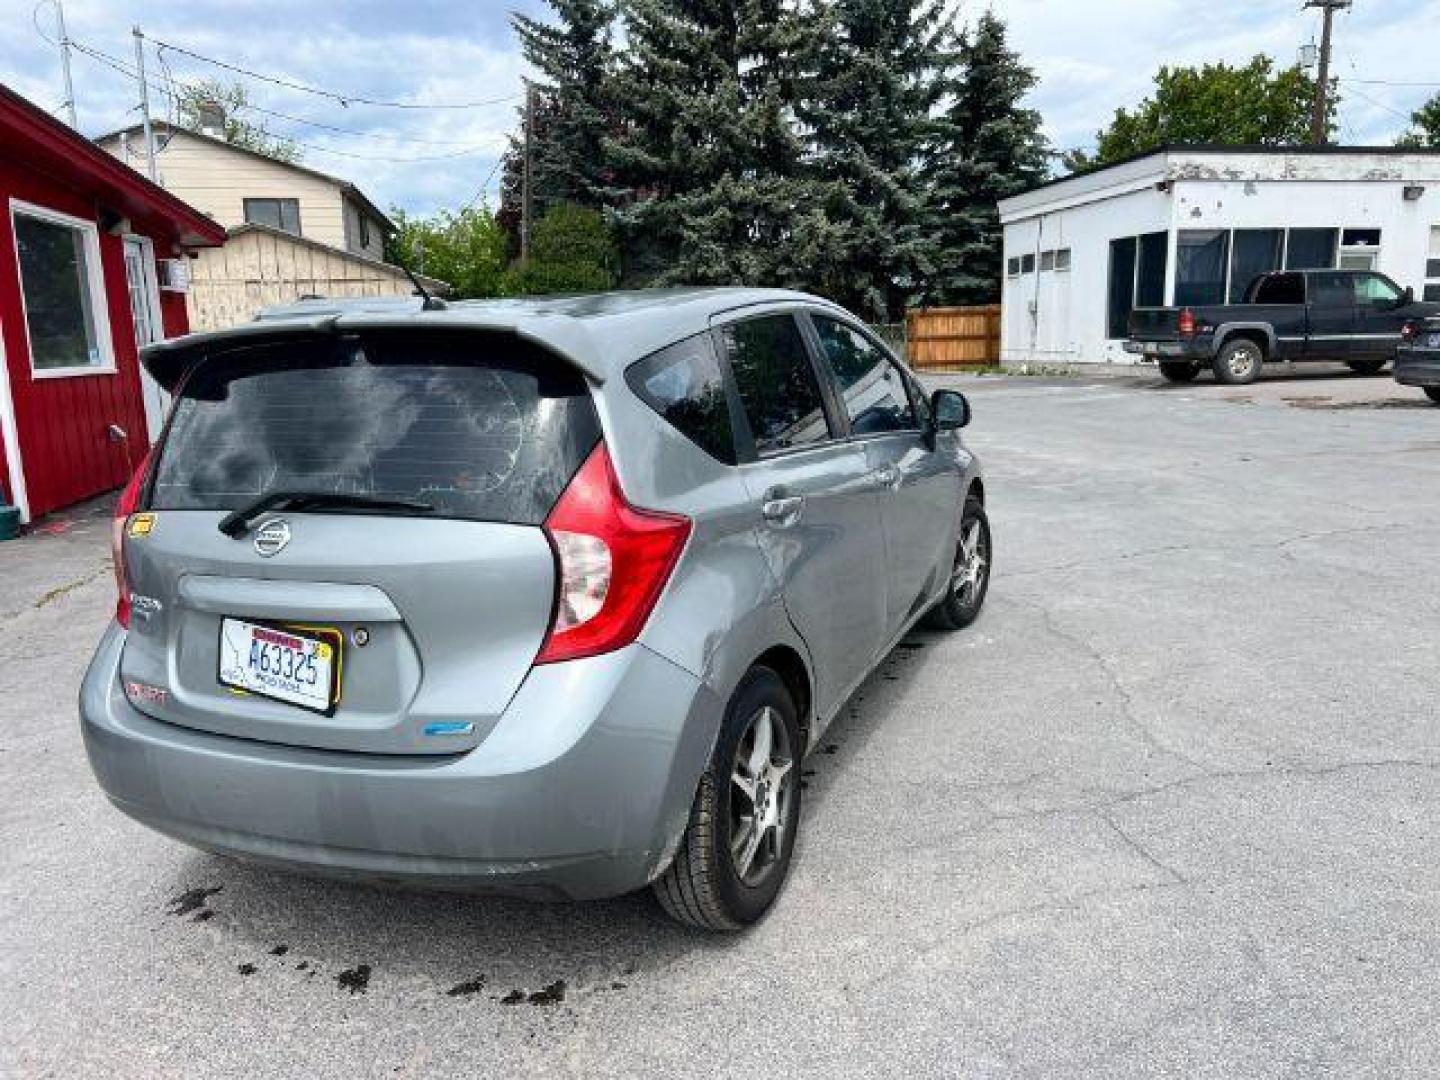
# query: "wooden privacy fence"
[[950, 338]]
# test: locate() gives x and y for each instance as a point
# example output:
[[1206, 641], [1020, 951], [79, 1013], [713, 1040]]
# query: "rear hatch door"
[[399, 607]]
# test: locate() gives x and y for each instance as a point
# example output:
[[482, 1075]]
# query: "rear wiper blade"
[[236, 522]]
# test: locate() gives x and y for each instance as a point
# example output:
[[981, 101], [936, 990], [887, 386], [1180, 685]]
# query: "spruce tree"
[[709, 179], [989, 147], [574, 56], [883, 68]]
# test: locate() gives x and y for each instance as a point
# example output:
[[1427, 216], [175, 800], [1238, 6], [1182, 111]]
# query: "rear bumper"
[[1417, 367], [582, 790], [1170, 350]]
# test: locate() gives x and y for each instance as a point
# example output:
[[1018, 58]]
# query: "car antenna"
[[430, 303]]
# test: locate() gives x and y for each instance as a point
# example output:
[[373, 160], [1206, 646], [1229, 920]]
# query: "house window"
[[1012, 267], [63, 289], [364, 230], [1062, 259], [282, 214], [1253, 252], [1432, 266], [1201, 260], [1027, 264], [1047, 261], [1311, 249]]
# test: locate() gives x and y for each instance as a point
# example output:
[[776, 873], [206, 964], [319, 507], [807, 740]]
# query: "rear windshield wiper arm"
[[236, 522]]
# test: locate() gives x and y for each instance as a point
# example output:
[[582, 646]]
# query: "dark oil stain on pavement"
[[469, 986], [192, 900], [356, 979], [246, 969], [279, 950], [553, 994]]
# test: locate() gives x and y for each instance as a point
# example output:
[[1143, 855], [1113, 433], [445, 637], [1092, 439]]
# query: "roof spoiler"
[[169, 362]]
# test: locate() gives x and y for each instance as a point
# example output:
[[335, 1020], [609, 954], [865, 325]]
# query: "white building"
[[1194, 225]]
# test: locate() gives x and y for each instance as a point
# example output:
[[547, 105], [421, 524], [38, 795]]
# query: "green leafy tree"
[[990, 146], [572, 251], [709, 182], [881, 68], [1426, 130], [232, 99], [465, 248], [1249, 105]]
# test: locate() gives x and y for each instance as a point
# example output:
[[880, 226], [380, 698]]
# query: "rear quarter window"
[[480, 427], [683, 384]]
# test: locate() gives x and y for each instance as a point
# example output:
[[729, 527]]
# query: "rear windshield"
[[479, 427]]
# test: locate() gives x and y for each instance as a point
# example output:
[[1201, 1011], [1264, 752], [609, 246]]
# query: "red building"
[[85, 246]]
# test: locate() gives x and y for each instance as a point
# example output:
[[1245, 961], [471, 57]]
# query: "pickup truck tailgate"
[[1155, 324]]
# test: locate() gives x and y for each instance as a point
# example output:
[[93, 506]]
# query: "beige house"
[[294, 232]]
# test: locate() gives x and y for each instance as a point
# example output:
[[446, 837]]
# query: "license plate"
[[297, 666], [1434, 341]]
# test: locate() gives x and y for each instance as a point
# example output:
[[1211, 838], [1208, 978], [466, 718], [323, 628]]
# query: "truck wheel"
[[1366, 367], [1179, 370], [736, 850], [1239, 361], [1433, 393]]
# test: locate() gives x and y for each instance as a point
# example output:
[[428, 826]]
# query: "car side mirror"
[[951, 410], [1407, 297]]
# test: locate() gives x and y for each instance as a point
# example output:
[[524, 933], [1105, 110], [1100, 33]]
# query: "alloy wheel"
[[972, 563], [763, 780]]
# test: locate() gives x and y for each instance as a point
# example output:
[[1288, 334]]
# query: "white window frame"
[[94, 282]]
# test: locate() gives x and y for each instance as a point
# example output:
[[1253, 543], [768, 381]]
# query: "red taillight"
[[128, 503], [1410, 331], [1187, 322], [611, 560]]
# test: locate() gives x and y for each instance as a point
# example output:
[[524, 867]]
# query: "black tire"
[[1179, 371], [703, 886], [1433, 393], [1372, 366], [1239, 361], [961, 606]]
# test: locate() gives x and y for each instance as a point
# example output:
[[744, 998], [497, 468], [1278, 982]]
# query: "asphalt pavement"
[[1168, 809]]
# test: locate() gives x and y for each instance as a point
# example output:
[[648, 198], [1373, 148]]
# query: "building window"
[[1432, 266], [1311, 249], [1253, 252], [1122, 285], [1062, 259], [1027, 264], [282, 214], [1047, 261], [1201, 261], [63, 290], [364, 231], [1150, 273], [1012, 267]]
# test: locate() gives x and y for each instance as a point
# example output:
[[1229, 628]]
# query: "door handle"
[[887, 476], [782, 512]]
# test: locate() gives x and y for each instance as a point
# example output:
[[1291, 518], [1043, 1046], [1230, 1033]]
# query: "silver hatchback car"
[[548, 597]]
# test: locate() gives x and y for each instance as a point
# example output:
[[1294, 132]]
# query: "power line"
[[343, 99], [129, 72]]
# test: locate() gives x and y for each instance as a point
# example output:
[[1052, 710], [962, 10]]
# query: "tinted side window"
[[1332, 290], [872, 388], [776, 383], [683, 384], [1281, 289]]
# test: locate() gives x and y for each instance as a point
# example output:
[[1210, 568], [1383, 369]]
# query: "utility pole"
[[65, 62], [1322, 84], [145, 103], [526, 184]]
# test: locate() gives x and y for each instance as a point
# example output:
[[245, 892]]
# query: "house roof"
[[600, 333], [344, 185], [435, 285], [45, 144]]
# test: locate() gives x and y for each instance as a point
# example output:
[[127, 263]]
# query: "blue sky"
[[1091, 57]]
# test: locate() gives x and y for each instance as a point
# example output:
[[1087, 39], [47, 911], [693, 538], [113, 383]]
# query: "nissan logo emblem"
[[271, 537]]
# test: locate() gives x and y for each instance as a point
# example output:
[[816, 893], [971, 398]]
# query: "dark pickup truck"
[[1353, 316], [1417, 361]]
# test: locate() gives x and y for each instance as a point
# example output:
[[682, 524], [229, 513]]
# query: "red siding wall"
[[62, 423]]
